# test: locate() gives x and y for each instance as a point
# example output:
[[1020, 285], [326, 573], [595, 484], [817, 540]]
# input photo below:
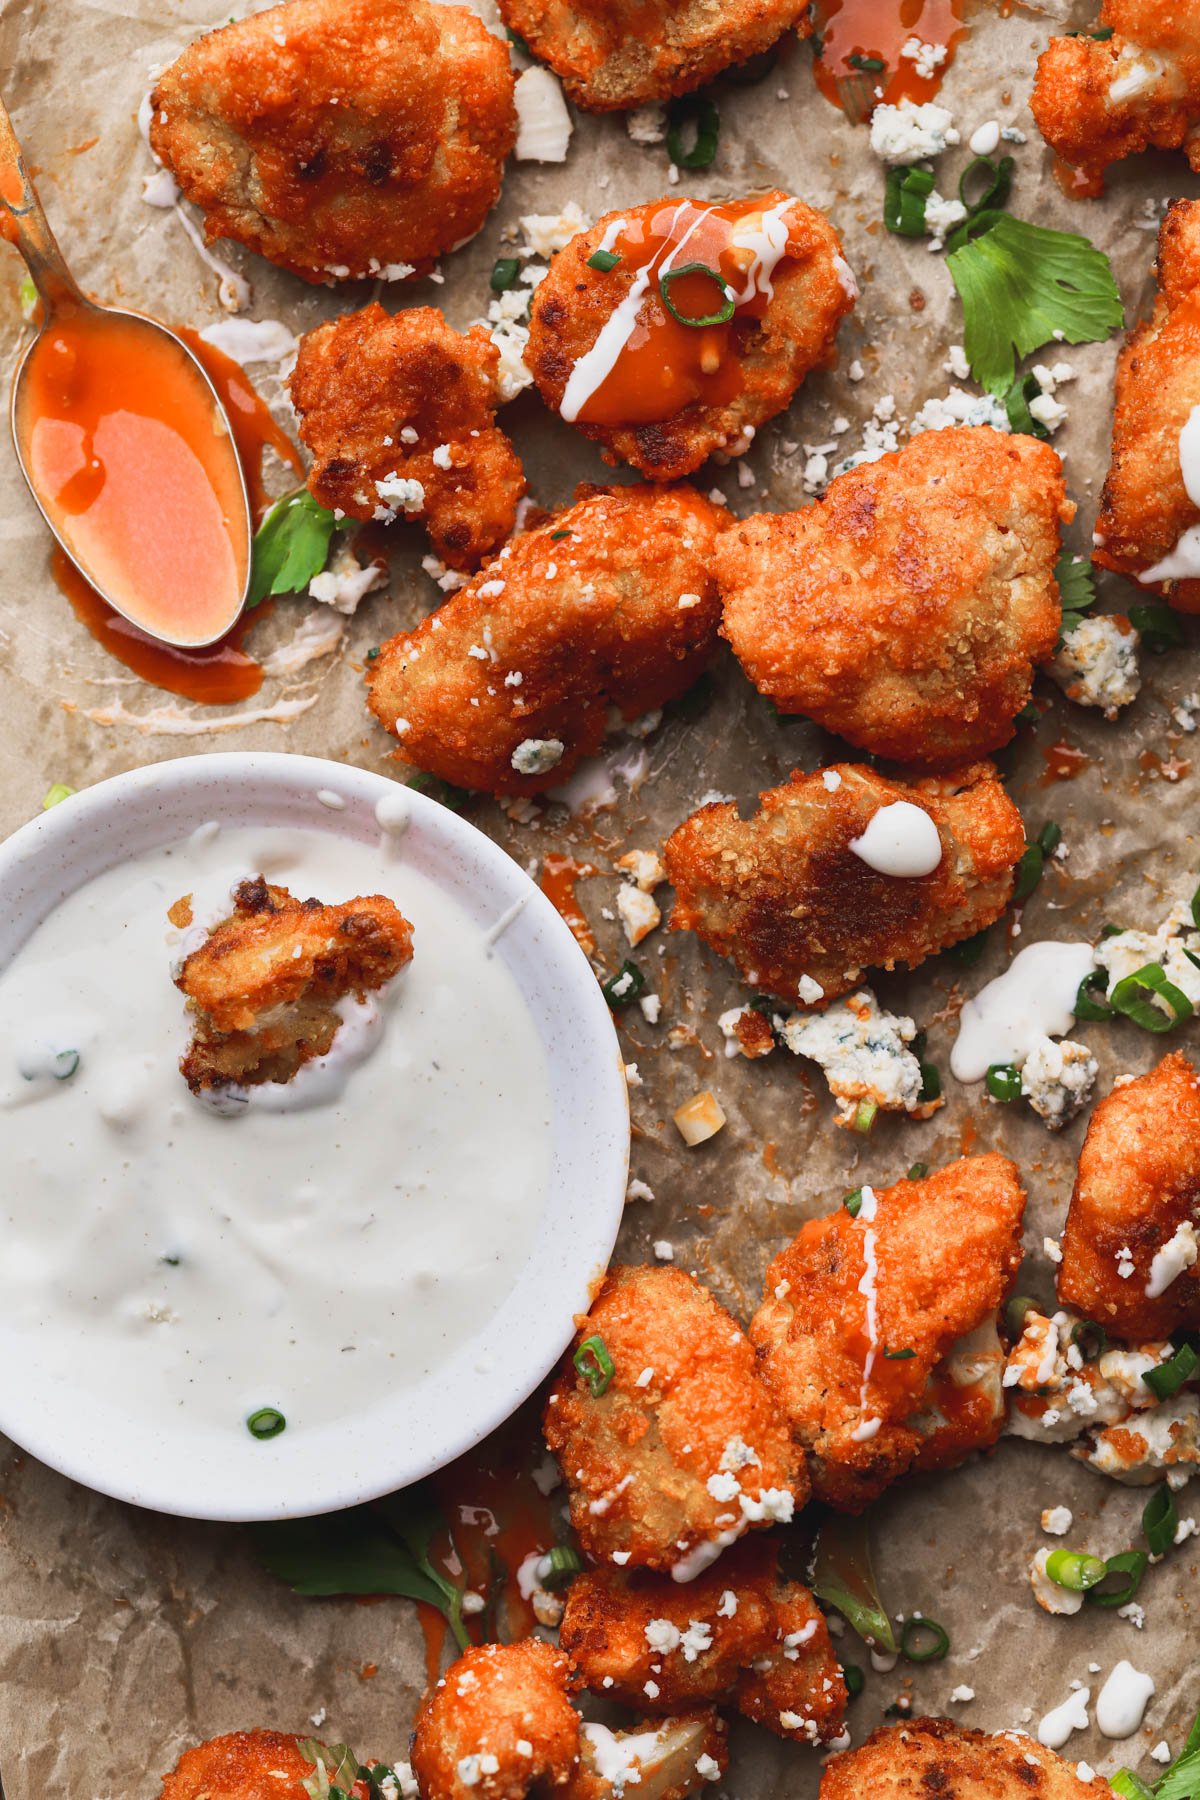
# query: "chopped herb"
[[1076, 588], [517, 41], [558, 1566], [853, 1202], [844, 1577], [1030, 869], [918, 1172], [969, 951], [864, 1116], [1023, 286], [1090, 1339], [1003, 1082], [1166, 1380], [1016, 1312], [1075, 1570], [555, 536], [1159, 627], [997, 184], [595, 1365], [1160, 1520], [172, 1262], [1016, 404], [290, 546], [54, 796], [436, 789], [724, 312], [898, 1355], [506, 271], [64, 1064], [904, 200], [693, 112], [1127, 999], [1087, 1005], [1100, 36], [910, 1640], [854, 1679], [1128, 1566], [373, 653], [1028, 715], [27, 294], [867, 65], [624, 986], [1130, 1786], [931, 1081], [1049, 837], [603, 260], [267, 1422]]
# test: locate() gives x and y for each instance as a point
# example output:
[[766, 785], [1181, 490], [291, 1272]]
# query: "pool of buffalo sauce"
[[876, 31]]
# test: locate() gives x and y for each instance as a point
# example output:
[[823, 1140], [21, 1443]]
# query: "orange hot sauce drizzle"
[[1063, 762], [877, 30], [254, 430], [558, 878]]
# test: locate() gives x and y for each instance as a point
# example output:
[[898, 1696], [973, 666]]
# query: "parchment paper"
[[125, 1636]]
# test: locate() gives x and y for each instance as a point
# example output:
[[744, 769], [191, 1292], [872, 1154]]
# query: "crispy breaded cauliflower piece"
[[906, 611], [739, 1634], [1129, 1248], [671, 393], [1149, 523], [610, 603], [391, 404], [785, 895], [658, 1759], [683, 1449], [1099, 98], [924, 1757], [613, 57], [342, 139], [244, 1765], [877, 1331], [264, 987]]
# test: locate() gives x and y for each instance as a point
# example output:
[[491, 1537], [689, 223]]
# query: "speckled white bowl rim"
[[155, 1462]]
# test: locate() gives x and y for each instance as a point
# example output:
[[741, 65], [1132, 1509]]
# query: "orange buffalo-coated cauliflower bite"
[[798, 907], [926, 1757], [672, 330], [264, 987], [616, 54], [610, 604], [877, 1332], [342, 139], [399, 413], [740, 1634], [498, 1723], [1130, 84], [245, 1765], [907, 610], [1129, 1248], [670, 1444], [1149, 522]]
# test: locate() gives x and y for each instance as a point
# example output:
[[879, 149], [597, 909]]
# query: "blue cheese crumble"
[[1097, 664]]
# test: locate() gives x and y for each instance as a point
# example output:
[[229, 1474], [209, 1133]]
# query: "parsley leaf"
[[290, 546], [1074, 577], [1023, 286], [843, 1575]]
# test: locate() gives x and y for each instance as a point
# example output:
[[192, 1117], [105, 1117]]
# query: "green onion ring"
[[1128, 1563], [1160, 1520], [266, 1423], [1087, 1007], [1003, 1083], [1152, 979], [1075, 1570], [931, 1652], [595, 1365], [728, 302], [1166, 1380]]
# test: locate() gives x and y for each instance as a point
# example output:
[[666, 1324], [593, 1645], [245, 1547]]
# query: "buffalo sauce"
[[254, 430], [856, 36], [134, 466], [708, 263]]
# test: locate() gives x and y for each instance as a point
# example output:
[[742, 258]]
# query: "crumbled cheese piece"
[[664, 1251], [956, 363], [546, 233], [1127, 951], [638, 1190], [1057, 1079], [1057, 1520], [537, 756], [941, 216], [651, 1005], [397, 494], [647, 124], [345, 582], [1172, 1259], [707, 1767], [662, 1636], [1097, 662], [927, 57], [909, 133], [543, 122], [639, 913], [645, 868], [962, 1694], [863, 1052]]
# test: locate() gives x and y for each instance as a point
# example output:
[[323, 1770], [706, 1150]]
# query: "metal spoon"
[[61, 296]]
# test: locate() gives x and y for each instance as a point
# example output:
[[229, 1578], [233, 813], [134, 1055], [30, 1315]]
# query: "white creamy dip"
[[314, 1248], [900, 839], [1033, 999]]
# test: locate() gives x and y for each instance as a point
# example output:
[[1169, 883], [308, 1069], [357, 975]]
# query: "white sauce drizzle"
[[868, 1287], [1122, 1701], [1057, 1725], [251, 340], [1168, 1263], [1183, 562], [1034, 998], [900, 839]]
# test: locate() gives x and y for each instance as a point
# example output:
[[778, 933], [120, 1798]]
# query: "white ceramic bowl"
[[150, 1461]]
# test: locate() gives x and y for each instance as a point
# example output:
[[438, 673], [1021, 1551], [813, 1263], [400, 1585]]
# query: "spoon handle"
[[27, 226]]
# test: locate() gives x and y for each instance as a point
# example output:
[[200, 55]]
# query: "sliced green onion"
[[1090, 1339], [864, 1116], [866, 65], [918, 1172], [517, 41], [64, 1064], [1075, 1570], [1196, 909], [556, 535], [911, 1647], [595, 1365], [505, 272], [844, 1578], [373, 653], [728, 298], [1130, 1566], [693, 110], [1130, 1786], [969, 951], [1049, 837], [983, 206], [853, 1202], [1028, 715], [854, 1679], [1086, 1006], [1016, 404], [1158, 625], [1166, 1380], [558, 1566], [1127, 998], [1017, 1311], [54, 796], [624, 986], [898, 1355], [604, 260], [904, 199], [267, 1422], [1029, 873], [1003, 1083], [1160, 1520], [443, 792], [931, 1082]]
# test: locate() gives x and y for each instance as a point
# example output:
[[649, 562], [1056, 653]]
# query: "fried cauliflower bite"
[[1097, 99], [611, 57], [877, 1334], [1147, 516], [662, 395], [610, 603], [1136, 1202], [244, 1765], [399, 412], [665, 1759], [497, 1724], [926, 1757], [683, 1449], [263, 988], [341, 138], [739, 1634], [906, 611], [789, 899]]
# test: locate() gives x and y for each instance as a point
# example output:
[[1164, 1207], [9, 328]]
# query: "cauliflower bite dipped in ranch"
[[1132, 83], [341, 139], [1149, 522], [247, 1765], [877, 1333], [843, 870], [907, 610], [400, 415], [269, 986], [927, 1757], [615, 56], [610, 603], [1129, 1248], [670, 1444], [739, 1635], [675, 329]]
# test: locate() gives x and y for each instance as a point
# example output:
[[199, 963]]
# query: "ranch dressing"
[[314, 1246], [900, 839], [1183, 562], [1033, 999]]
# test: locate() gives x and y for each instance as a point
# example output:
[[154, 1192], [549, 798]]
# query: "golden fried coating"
[[785, 895], [739, 1634], [389, 399], [684, 1449], [1099, 99], [665, 1759], [244, 1765], [676, 393], [907, 610], [497, 1724], [1145, 508], [861, 1327], [927, 1757], [263, 987], [341, 138], [1137, 1200], [611, 602], [612, 56]]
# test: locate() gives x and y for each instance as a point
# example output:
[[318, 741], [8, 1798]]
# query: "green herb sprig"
[[290, 546]]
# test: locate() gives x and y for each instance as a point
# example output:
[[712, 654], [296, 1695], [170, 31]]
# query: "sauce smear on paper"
[[854, 33], [559, 875], [254, 430]]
